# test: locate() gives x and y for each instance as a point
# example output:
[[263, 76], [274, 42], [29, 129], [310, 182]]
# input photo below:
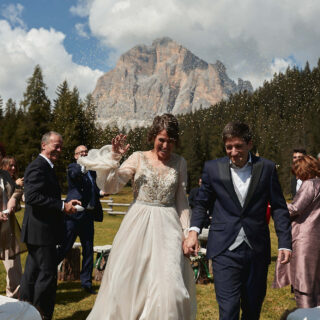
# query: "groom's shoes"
[[89, 290]]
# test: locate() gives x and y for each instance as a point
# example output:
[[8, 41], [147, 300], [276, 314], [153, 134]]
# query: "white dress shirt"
[[299, 183], [48, 160], [241, 178]]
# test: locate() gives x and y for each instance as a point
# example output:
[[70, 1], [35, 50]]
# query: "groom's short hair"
[[237, 129]]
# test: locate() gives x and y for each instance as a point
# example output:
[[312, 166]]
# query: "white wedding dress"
[[147, 276]]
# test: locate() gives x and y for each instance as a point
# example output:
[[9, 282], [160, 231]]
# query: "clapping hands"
[[119, 144]]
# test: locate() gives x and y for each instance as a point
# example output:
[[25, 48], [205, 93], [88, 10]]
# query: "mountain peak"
[[163, 42], [163, 77]]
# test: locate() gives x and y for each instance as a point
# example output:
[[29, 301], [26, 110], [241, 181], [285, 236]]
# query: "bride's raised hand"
[[119, 144]]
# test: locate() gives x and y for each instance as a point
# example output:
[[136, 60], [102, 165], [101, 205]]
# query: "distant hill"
[[163, 77]]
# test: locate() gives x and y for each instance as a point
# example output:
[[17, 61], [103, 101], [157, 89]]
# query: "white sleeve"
[[110, 177], [182, 204]]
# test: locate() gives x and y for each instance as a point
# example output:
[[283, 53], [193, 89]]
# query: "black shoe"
[[89, 290]]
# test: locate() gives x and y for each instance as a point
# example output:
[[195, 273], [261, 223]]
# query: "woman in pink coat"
[[303, 271]]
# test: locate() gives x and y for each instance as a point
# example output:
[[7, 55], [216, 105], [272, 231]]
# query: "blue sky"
[[56, 14], [79, 40]]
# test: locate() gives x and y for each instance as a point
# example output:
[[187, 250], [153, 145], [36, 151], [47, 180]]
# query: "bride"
[[147, 276]]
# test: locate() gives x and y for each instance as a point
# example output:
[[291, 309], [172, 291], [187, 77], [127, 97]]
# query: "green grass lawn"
[[74, 304]]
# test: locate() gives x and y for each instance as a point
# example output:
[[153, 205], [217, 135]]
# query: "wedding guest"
[[42, 227], [9, 164], [10, 245], [82, 186], [297, 153], [303, 271]]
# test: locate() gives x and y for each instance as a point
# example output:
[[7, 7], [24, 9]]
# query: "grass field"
[[74, 304]]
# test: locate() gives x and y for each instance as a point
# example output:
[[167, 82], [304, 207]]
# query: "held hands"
[[119, 144], [190, 244], [69, 207], [284, 256]]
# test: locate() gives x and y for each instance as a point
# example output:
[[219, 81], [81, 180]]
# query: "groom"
[[240, 187]]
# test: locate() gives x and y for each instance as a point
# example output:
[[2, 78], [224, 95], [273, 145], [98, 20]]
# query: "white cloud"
[[250, 37], [12, 13], [81, 30], [21, 50], [82, 8], [281, 65]]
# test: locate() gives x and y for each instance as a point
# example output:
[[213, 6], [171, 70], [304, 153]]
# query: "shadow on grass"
[[69, 285], [71, 291], [78, 315]]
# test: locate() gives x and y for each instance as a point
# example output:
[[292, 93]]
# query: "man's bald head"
[[80, 151]]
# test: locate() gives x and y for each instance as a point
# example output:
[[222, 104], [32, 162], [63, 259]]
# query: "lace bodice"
[[156, 185], [165, 185]]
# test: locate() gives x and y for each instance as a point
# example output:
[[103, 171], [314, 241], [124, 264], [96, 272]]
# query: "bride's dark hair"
[[166, 122]]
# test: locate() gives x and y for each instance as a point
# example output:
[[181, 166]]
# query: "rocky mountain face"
[[163, 77]]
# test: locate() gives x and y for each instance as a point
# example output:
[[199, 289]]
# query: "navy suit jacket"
[[43, 217], [228, 216], [80, 188]]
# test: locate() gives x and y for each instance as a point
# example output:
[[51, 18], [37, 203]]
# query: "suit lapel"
[[225, 175], [55, 179], [51, 172], [255, 177]]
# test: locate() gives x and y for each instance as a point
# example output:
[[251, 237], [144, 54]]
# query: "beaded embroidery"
[[155, 184]]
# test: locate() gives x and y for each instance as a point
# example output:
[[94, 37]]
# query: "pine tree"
[[1, 108], [36, 107], [8, 130], [68, 120], [89, 128], [10, 134]]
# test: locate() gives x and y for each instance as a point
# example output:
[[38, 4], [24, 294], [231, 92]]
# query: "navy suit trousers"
[[240, 278], [81, 225]]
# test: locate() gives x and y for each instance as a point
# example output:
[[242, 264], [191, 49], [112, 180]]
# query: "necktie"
[[92, 201]]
